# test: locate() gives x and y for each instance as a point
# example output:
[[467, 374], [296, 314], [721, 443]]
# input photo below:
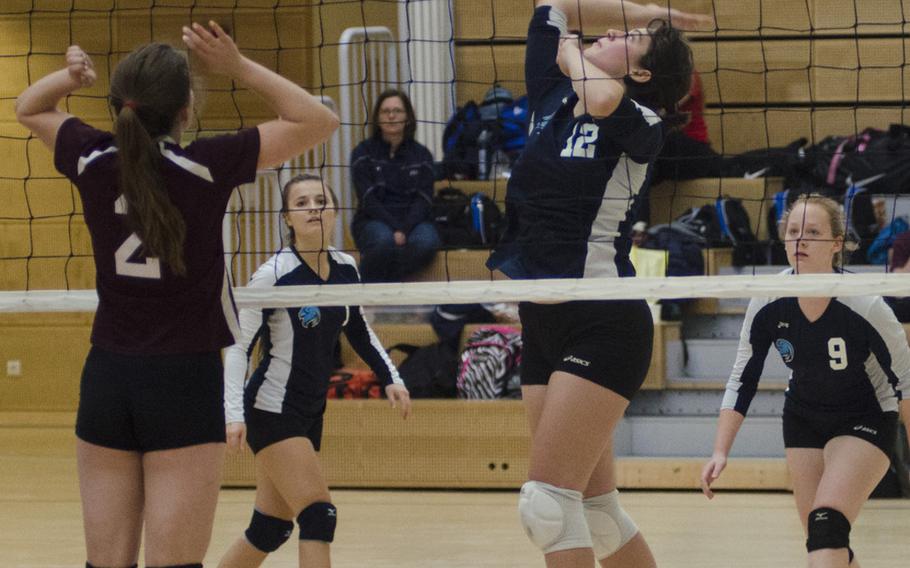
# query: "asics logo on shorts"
[[866, 429], [576, 360]]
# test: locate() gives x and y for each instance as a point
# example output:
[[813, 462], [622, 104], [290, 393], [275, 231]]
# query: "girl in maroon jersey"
[[150, 423]]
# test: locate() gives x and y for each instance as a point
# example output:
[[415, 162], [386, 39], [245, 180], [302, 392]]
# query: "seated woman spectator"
[[393, 177]]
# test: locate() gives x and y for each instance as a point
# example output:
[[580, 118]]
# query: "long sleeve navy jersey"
[[853, 359], [298, 343]]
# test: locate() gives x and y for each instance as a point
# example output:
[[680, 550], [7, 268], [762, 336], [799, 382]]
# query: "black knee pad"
[[317, 522], [267, 533], [87, 565], [828, 528]]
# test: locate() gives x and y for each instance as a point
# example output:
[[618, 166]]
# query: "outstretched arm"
[[36, 107], [624, 14], [303, 120], [728, 424]]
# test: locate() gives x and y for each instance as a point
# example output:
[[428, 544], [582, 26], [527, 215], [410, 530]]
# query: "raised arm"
[[597, 15], [36, 107], [303, 120], [598, 94]]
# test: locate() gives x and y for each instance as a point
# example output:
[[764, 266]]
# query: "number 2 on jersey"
[[837, 350], [581, 144], [148, 268]]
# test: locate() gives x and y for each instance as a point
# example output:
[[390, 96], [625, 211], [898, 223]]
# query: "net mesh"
[[772, 72]]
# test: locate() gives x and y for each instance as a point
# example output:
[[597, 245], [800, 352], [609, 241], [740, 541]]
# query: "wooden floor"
[[40, 523]]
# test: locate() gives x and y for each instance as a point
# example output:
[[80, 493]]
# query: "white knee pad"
[[553, 517], [611, 527]]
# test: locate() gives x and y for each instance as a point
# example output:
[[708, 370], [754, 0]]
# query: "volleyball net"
[[790, 91]]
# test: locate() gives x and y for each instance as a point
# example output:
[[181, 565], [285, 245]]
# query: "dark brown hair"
[[286, 195], [149, 88], [410, 126], [669, 59]]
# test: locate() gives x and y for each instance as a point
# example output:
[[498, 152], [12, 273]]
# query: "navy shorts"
[[264, 428], [144, 403], [802, 430], [605, 342]]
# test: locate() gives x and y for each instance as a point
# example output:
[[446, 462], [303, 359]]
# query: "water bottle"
[[483, 147]]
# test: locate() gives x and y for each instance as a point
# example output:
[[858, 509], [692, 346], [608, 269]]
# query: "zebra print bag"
[[490, 363]]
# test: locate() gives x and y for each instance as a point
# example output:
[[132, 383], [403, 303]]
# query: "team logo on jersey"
[[309, 316], [785, 348]]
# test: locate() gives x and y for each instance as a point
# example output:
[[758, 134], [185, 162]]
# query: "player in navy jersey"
[[150, 423], [597, 123], [285, 398], [850, 376]]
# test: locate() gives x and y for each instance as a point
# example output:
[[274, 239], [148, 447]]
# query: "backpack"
[[478, 136], [466, 221], [736, 229], [448, 320], [354, 383], [490, 363], [428, 371], [684, 257], [699, 224]]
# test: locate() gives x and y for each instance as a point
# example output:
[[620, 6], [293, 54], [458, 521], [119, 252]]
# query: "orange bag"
[[354, 383]]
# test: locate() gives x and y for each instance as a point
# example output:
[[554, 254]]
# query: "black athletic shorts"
[[264, 428], [605, 342], [144, 403], [802, 430]]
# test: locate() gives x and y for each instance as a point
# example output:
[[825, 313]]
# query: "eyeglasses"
[[391, 111]]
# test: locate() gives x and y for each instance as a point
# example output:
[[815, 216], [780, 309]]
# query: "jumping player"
[[284, 401], [598, 119], [150, 423], [850, 376]]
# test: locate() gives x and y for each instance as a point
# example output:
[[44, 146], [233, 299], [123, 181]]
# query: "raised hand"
[[214, 48], [80, 66], [569, 52], [682, 20]]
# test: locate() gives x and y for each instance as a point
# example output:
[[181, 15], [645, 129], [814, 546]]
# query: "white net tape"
[[465, 292]]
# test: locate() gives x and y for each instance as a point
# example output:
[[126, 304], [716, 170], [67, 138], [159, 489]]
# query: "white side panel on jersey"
[[84, 161], [622, 187], [187, 164], [883, 389], [270, 396]]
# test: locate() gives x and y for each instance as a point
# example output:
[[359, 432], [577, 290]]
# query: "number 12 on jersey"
[[582, 142]]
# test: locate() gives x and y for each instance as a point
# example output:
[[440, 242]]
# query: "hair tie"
[[131, 104]]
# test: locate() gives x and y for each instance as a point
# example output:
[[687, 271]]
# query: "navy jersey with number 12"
[[575, 187]]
